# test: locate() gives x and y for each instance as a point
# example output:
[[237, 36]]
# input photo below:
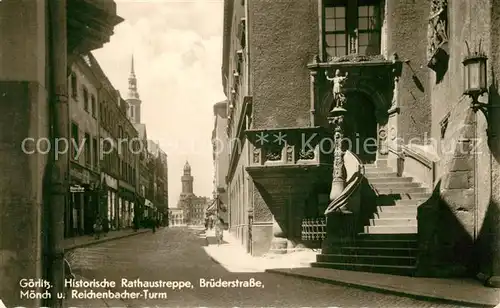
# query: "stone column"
[[336, 119], [23, 114]]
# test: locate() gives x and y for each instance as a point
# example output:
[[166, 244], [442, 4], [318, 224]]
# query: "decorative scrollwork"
[[256, 156], [289, 154], [306, 154], [437, 32], [273, 154]]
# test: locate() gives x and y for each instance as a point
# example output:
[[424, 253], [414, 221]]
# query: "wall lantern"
[[475, 79]]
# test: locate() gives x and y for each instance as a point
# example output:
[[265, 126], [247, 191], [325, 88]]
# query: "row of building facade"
[[116, 173], [406, 63]]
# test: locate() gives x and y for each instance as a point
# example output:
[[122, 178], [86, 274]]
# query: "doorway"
[[361, 127]]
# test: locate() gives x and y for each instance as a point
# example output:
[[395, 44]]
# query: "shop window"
[[95, 152], [75, 141], [93, 105], [87, 144], [85, 99], [74, 86]]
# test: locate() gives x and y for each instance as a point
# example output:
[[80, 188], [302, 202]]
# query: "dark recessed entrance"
[[361, 126]]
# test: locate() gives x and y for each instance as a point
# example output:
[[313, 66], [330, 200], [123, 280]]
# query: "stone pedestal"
[[23, 114], [279, 243], [341, 229]]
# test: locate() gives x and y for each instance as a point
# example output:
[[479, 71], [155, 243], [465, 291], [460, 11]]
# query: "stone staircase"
[[389, 243]]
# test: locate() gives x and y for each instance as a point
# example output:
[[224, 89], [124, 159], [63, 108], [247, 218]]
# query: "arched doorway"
[[361, 126]]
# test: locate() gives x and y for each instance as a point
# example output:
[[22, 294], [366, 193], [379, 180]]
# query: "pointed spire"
[[132, 70], [132, 82]]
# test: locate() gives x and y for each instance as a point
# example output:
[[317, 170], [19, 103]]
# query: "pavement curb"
[[383, 289], [105, 239]]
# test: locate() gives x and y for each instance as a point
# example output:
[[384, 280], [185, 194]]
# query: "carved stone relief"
[[256, 156], [382, 137], [289, 154], [273, 154], [306, 154], [437, 32]]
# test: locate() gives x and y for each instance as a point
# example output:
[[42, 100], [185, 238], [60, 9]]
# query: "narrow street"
[[178, 254]]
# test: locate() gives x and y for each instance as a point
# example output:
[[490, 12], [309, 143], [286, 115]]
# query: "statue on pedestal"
[[338, 83]]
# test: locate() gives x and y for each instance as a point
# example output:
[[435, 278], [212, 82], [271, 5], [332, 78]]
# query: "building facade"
[[83, 206], [176, 218], [395, 70], [47, 44], [193, 206], [220, 157], [159, 179]]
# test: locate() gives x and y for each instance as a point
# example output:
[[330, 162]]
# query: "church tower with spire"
[[133, 100]]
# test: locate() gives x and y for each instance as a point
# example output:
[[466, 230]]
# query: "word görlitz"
[[34, 283]]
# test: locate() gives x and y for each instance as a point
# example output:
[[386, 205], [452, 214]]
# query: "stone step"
[[365, 240], [401, 190], [372, 175], [376, 250], [389, 215], [385, 269], [393, 221], [388, 199], [391, 180], [395, 229], [397, 209], [395, 185], [371, 170], [405, 237], [367, 259]]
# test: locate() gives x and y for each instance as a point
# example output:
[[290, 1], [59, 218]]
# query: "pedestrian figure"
[[219, 232], [97, 228], [105, 226], [135, 223], [153, 225]]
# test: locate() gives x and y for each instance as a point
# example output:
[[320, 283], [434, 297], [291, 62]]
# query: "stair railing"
[[355, 174]]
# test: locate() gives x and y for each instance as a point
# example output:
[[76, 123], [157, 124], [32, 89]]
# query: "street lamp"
[[475, 80]]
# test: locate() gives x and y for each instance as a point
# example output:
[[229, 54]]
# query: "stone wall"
[[412, 94], [283, 39], [24, 114]]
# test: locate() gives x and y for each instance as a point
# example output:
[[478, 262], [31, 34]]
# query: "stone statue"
[[338, 83]]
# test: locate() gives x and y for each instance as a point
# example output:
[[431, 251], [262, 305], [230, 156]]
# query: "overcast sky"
[[177, 53]]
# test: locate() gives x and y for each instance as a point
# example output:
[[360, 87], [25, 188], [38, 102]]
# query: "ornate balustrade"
[[314, 229], [290, 147]]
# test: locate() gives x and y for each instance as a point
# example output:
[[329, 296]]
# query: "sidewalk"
[[85, 303], [459, 291], [232, 256], [88, 240]]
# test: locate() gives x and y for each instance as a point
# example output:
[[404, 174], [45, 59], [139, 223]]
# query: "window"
[[85, 99], [352, 27], [74, 86], [95, 153], [88, 157], [94, 108], [132, 111], [75, 140]]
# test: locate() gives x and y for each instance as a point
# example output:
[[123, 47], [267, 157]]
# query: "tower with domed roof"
[[187, 181]]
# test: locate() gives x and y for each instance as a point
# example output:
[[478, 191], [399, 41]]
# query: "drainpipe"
[[59, 187]]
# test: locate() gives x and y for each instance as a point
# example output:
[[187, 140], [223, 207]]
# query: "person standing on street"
[[97, 228]]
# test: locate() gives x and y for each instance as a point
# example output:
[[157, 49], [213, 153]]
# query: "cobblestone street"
[[177, 254]]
